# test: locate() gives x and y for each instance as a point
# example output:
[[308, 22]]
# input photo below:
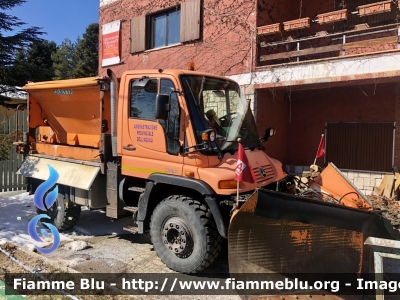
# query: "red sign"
[[243, 169], [110, 43]]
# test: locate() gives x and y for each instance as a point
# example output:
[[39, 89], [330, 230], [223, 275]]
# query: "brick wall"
[[273, 111], [303, 118], [375, 48], [279, 11], [227, 44]]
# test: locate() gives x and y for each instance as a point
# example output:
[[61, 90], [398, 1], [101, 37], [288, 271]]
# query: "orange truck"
[[162, 145], [158, 143]]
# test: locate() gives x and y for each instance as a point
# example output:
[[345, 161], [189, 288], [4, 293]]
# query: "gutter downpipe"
[[113, 107]]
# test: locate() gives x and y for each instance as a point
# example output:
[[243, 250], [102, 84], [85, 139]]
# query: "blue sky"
[[60, 19]]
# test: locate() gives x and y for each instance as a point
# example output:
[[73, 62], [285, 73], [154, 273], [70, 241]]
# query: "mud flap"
[[114, 203], [280, 233], [72, 174]]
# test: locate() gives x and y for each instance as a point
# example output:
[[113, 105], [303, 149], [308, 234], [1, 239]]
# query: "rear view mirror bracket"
[[270, 131]]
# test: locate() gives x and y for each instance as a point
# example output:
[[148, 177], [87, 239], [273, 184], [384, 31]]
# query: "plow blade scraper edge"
[[279, 233]]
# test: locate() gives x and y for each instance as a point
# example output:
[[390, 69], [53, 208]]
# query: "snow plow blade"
[[283, 234]]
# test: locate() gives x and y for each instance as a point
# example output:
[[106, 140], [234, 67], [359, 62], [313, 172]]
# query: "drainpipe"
[[113, 96]]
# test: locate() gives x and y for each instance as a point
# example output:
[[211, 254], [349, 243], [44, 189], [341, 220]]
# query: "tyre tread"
[[214, 240]]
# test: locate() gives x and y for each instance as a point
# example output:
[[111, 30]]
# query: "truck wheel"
[[62, 216], [184, 234]]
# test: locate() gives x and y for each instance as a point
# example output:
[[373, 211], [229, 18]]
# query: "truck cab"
[[195, 135]]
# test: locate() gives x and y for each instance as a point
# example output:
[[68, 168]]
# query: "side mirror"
[[162, 107], [270, 131]]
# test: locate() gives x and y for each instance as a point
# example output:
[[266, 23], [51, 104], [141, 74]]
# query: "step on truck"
[[162, 145]]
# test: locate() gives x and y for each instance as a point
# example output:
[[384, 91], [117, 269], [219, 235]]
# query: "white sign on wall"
[[111, 43]]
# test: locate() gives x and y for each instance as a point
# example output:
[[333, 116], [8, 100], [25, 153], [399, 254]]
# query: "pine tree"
[[64, 60], [11, 44], [40, 64], [33, 64], [12, 47], [80, 58], [87, 53]]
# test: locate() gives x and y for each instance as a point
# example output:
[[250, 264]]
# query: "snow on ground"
[[15, 213], [17, 210]]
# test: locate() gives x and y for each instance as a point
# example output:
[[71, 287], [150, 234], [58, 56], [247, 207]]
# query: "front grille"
[[269, 173]]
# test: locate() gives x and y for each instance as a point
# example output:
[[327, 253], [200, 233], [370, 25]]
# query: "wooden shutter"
[[190, 20], [138, 34], [360, 146]]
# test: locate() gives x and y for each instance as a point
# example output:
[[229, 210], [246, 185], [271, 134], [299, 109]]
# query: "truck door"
[[150, 145]]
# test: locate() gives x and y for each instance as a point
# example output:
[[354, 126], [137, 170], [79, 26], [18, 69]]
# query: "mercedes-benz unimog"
[[162, 144], [159, 143]]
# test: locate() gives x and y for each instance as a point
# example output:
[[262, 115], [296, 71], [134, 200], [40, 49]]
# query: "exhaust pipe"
[[113, 96]]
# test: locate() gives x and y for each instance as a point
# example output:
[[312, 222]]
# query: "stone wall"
[[364, 181]]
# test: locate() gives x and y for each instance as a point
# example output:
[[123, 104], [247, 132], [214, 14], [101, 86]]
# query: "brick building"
[[310, 68]]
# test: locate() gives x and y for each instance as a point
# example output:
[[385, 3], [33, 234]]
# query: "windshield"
[[220, 104]]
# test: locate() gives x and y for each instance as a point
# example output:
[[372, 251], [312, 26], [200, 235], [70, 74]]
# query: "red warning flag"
[[243, 171]]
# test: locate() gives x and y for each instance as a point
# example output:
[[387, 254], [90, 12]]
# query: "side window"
[[142, 101], [165, 29], [171, 126]]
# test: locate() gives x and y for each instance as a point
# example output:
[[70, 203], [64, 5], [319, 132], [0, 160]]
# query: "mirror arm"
[[218, 150], [196, 148]]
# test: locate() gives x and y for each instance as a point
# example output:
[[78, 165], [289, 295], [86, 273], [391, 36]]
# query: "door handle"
[[129, 148]]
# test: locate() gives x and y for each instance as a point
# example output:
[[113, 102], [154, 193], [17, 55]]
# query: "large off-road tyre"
[[64, 214], [184, 234]]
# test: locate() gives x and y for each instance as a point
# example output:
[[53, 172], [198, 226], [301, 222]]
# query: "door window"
[[171, 125], [142, 101]]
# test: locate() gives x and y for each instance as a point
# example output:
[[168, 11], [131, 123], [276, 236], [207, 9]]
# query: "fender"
[[194, 184]]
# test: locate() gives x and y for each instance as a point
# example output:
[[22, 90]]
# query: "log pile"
[[390, 209], [389, 185]]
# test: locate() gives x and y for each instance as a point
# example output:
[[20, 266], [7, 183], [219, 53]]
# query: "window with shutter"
[[360, 146], [169, 27], [165, 28]]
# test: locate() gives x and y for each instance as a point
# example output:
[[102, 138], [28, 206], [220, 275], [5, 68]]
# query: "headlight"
[[208, 135], [212, 136]]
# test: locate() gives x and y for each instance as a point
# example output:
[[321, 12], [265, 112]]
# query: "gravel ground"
[[35, 261]]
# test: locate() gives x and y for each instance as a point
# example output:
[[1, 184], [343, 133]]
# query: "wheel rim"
[[177, 237]]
